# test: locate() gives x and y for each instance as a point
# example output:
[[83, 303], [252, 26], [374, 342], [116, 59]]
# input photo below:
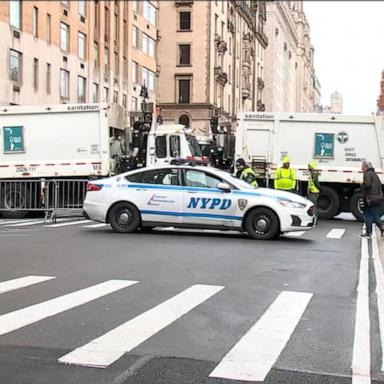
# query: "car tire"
[[354, 206], [262, 224], [328, 203], [124, 218], [15, 201]]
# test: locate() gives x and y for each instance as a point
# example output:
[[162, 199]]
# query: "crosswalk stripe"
[[28, 223], [67, 224], [100, 225], [104, 350], [336, 233], [6, 222], [21, 282], [295, 234], [257, 351], [26, 316]]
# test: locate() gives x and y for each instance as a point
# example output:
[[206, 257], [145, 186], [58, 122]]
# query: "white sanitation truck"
[[338, 143], [47, 152]]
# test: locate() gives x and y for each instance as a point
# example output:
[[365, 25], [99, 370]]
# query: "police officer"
[[313, 183], [285, 177], [245, 172]]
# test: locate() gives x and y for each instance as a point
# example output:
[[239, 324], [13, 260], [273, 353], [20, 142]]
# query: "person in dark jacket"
[[372, 193], [245, 172]]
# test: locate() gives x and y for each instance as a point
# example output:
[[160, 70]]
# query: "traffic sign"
[[13, 139]]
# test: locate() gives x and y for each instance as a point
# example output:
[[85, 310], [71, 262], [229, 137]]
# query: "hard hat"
[[286, 160], [240, 162], [312, 165]]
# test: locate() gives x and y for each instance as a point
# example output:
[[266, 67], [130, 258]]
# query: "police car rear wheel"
[[262, 224], [124, 217]]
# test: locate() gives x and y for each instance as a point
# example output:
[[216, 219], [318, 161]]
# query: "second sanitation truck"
[[338, 143]]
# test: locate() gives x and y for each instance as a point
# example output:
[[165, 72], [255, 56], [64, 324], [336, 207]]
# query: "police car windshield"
[[234, 180], [194, 146]]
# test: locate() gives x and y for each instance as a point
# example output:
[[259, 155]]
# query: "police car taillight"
[[93, 187]]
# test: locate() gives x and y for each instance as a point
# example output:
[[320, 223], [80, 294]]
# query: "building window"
[[106, 95], [95, 93], [148, 45], [15, 13], [48, 78], [125, 38], [117, 27], [134, 37], [185, 21], [64, 84], [184, 54], [124, 100], [106, 24], [184, 90], [106, 59], [134, 72], [15, 66], [117, 64], [35, 74], [64, 36], [82, 8], [49, 28], [96, 11], [149, 12], [125, 68], [81, 45], [35, 26], [115, 96], [96, 54], [148, 78], [184, 120], [134, 103], [81, 86]]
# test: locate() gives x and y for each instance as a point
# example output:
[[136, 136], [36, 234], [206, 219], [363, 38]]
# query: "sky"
[[348, 37]]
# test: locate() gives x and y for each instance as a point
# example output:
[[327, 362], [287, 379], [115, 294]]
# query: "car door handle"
[[192, 192]]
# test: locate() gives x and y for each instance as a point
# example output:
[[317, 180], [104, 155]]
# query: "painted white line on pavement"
[[361, 359], [6, 222], [26, 223], [67, 224], [104, 350], [379, 274], [295, 234], [336, 233], [21, 282], [100, 225], [25, 316], [257, 351]]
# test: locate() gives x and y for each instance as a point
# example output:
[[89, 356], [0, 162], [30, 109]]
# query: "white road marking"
[[257, 351], [11, 285], [104, 350], [379, 273], [25, 316], [34, 222], [100, 225], [336, 233], [295, 234], [361, 359], [67, 224], [6, 222]]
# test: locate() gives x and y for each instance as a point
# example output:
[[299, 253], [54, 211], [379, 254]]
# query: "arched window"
[[184, 119]]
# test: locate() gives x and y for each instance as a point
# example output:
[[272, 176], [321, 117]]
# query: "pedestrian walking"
[[245, 172], [285, 177], [372, 193], [313, 190]]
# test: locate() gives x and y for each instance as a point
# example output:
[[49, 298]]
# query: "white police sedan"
[[194, 197]]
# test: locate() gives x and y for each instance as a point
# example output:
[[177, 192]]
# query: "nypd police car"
[[194, 197]]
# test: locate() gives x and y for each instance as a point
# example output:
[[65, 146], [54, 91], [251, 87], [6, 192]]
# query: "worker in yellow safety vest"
[[246, 173], [285, 177], [313, 183]]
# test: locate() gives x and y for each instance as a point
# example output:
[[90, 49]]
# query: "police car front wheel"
[[124, 217], [262, 224]]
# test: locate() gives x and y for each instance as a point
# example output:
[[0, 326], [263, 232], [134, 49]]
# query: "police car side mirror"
[[224, 187]]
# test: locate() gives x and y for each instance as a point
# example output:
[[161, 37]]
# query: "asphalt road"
[[235, 293]]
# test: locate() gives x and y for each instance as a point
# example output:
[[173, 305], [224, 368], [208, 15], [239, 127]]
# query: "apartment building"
[[77, 51], [211, 56], [289, 59]]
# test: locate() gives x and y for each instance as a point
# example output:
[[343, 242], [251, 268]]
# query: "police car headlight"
[[291, 204]]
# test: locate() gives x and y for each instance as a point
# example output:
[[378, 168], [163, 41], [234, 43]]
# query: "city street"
[[168, 306]]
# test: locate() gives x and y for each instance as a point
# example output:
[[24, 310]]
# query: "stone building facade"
[[290, 76], [380, 100], [77, 51], [212, 61]]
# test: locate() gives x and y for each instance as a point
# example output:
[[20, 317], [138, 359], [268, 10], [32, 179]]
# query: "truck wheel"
[[328, 203], [124, 218], [354, 206], [15, 200], [262, 224]]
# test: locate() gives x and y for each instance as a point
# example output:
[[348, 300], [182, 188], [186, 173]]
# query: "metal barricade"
[[54, 197]]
